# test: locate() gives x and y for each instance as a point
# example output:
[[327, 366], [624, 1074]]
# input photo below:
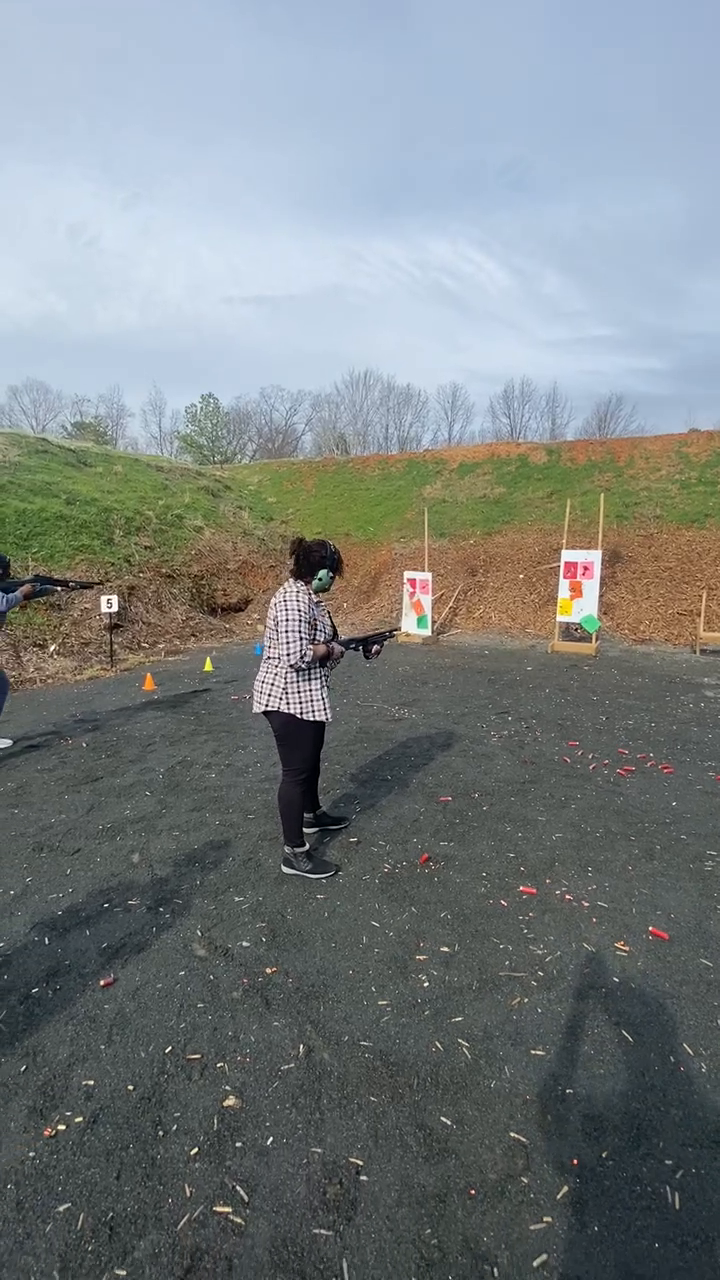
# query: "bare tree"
[[32, 406], [114, 412], [241, 428], [160, 424], [358, 397], [331, 436], [361, 392], [403, 417], [609, 417], [78, 408], [367, 411], [452, 414], [555, 414], [511, 413], [280, 421]]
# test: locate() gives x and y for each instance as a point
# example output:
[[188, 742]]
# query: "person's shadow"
[[643, 1166], [386, 775], [91, 938]]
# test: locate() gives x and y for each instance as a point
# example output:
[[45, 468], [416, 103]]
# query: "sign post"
[[109, 605]]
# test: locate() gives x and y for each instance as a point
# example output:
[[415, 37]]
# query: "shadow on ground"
[[89, 939], [389, 773], [111, 719], [655, 1140]]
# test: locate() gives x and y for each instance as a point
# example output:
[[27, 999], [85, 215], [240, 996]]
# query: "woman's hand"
[[329, 652], [373, 652]]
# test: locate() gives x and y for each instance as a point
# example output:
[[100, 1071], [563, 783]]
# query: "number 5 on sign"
[[109, 605]]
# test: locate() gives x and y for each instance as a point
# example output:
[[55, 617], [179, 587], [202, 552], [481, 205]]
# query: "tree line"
[[365, 411]]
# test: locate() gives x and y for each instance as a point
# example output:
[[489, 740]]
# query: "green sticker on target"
[[590, 623]]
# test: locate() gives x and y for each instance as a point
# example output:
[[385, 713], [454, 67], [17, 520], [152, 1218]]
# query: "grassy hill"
[[201, 546], [66, 505]]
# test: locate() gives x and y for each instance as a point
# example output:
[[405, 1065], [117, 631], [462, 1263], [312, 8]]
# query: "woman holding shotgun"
[[12, 595], [300, 651], [9, 600]]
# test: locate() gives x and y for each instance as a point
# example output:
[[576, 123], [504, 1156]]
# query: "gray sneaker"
[[5, 743], [322, 821], [300, 862]]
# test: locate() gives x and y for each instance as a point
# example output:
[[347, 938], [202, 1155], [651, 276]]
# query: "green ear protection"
[[325, 577]]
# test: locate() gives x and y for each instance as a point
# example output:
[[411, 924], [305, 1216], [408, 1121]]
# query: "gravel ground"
[[412, 1070]]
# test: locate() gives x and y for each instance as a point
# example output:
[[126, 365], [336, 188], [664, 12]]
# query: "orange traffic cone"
[[149, 684]]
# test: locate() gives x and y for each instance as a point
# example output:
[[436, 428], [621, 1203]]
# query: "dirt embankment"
[[652, 583]]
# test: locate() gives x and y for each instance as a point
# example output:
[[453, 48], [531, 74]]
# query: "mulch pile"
[[652, 582], [651, 585]]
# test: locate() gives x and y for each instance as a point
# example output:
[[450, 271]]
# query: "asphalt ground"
[[412, 1070]]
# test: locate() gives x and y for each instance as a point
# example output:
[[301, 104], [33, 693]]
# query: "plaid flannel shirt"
[[290, 678]]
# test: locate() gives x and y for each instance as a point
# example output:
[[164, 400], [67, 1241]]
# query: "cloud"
[[275, 195]]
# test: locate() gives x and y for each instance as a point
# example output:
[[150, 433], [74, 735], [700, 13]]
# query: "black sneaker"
[[322, 821], [300, 862]]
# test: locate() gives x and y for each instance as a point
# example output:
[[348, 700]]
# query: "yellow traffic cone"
[[208, 665]]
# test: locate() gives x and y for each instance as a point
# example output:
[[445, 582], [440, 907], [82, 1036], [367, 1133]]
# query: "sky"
[[222, 194]]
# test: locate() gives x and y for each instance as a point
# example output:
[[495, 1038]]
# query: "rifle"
[[45, 585], [365, 644]]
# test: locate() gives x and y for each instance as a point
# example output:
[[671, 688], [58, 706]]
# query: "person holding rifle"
[[301, 649], [9, 600]]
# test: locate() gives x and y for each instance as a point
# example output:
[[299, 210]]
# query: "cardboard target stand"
[[417, 602], [577, 621]]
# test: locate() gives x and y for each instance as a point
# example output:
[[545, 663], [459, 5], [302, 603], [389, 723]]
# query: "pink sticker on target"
[[586, 570], [423, 586]]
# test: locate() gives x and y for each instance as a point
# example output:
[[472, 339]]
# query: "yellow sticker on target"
[[565, 608]]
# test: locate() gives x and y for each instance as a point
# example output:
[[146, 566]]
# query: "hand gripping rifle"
[[45, 585]]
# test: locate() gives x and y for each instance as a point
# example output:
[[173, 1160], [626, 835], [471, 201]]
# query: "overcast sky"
[[218, 194]]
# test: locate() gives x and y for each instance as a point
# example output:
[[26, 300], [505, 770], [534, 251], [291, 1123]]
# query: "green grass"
[[68, 505], [378, 499], [64, 506]]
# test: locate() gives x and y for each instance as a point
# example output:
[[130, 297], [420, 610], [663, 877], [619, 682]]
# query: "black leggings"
[[299, 743]]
